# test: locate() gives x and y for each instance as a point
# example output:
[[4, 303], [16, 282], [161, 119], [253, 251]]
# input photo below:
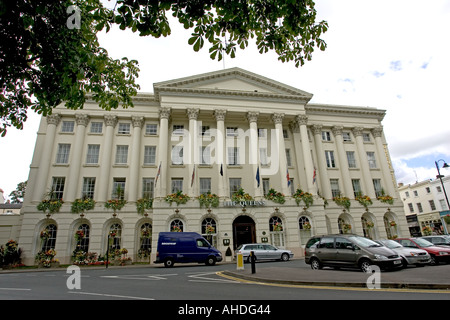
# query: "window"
[[149, 155], [334, 184], [205, 155], [176, 226], [118, 189], [443, 204], [232, 131], [177, 185], [209, 230], [233, 156], [67, 126], [205, 132], [88, 188], [411, 208], [177, 130], [288, 158], [96, 127], [205, 185], [146, 240], [342, 243], [428, 190], [346, 136], [151, 129], [285, 134], [438, 189], [177, 155], [58, 187], [62, 155], [148, 187], [121, 154], [124, 128], [366, 137], [356, 187], [377, 187], [276, 231], [115, 241], [263, 157], [327, 243], [262, 133], [329, 156], [432, 205], [266, 185], [416, 194], [235, 185], [372, 160], [82, 243], [419, 207], [326, 136], [351, 159], [50, 241], [92, 154], [407, 194]]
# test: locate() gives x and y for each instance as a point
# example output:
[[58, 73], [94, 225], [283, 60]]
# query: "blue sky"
[[390, 55]]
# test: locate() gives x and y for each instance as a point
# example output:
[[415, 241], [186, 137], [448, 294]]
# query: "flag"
[[257, 176], [314, 176], [221, 170], [193, 176], [158, 174], [287, 177]]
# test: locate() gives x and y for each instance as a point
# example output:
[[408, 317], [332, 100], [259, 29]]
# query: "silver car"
[[410, 256], [263, 252], [439, 240]]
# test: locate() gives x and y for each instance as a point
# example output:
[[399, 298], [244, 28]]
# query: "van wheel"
[[284, 257], [365, 265], [316, 264], [210, 261], [168, 263]]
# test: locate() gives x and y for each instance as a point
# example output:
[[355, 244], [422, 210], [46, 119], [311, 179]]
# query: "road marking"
[[111, 295], [141, 277], [199, 277], [16, 289]]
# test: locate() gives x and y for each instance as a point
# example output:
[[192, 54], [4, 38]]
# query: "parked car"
[[442, 240], [437, 253], [263, 252], [349, 250], [410, 256]]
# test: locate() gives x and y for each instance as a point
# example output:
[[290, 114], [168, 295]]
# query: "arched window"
[[368, 227], [305, 229], [344, 224], [115, 236], [390, 225], [276, 231], [176, 226], [146, 240], [48, 237], [209, 230], [82, 238]]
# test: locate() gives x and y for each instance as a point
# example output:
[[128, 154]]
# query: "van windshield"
[[364, 242]]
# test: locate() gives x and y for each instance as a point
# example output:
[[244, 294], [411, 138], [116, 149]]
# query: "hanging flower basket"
[[210, 229], [306, 197], [50, 205], [208, 200], [342, 202], [44, 235], [277, 226], [365, 201], [370, 224], [347, 227], [427, 231], [80, 206], [386, 199], [306, 226], [145, 233], [178, 198], [275, 196], [144, 204], [176, 229], [79, 235], [115, 205], [240, 195]]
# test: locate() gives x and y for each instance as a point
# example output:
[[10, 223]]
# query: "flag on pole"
[[158, 174], [221, 170], [193, 176], [287, 177], [314, 176], [257, 176]]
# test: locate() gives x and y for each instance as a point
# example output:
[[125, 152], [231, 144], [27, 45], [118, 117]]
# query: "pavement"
[[427, 277]]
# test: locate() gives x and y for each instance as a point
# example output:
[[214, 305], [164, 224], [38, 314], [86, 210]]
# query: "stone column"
[[220, 153], [282, 166], [302, 120], [164, 115], [384, 162], [254, 152], [133, 183], [82, 121], [192, 151], [106, 154], [40, 188], [365, 170], [322, 172], [342, 156]]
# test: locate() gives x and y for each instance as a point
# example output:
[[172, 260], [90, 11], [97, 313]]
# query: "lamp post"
[[445, 165]]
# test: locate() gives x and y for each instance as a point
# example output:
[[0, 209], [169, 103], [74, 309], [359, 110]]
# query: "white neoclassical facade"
[[219, 132]]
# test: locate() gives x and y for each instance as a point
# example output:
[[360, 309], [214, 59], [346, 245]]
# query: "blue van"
[[185, 247]]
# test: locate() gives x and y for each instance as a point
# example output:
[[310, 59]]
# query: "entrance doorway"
[[244, 231]]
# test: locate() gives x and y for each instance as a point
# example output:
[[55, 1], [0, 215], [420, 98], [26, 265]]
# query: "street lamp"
[[440, 176]]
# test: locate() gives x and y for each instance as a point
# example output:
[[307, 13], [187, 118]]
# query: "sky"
[[390, 55]]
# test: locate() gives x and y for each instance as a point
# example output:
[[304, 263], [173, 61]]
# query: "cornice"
[[345, 110]]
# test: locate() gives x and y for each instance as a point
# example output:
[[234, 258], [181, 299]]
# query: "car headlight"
[[443, 253], [414, 254], [380, 257]]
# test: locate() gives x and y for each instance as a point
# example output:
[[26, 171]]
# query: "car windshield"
[[423, 243], [364, 242], [391, 244]]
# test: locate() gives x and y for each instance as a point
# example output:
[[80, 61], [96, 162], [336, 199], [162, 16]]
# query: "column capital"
[[301, 119], [252, 116], [277, 118], [377, 132], [358, 131], [54, 118], [192, 113], [137, 121], [82, 119], [164, 113], [110, 120], [317, 129], [337, 130], [220, 114], [294, 126]]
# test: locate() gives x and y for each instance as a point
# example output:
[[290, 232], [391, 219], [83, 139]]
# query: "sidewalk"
[[428, 277]]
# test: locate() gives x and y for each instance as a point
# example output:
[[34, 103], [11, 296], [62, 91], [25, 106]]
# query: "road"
[[180, 283]]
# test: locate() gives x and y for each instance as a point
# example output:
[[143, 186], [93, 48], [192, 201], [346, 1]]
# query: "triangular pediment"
[[234, 81]]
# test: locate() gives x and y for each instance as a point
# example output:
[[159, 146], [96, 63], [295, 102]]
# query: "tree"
[[50, 53], [18, 194]]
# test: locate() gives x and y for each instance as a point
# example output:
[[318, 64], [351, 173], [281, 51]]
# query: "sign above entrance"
[[252, 203]]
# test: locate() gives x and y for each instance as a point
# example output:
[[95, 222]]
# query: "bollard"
[[240, 261], [253, 260]]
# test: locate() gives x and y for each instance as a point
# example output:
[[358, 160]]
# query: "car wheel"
[[434, 261], [316, 264], [168, 263], [210, 261], [404, 263], [284, 257], [365, 265]]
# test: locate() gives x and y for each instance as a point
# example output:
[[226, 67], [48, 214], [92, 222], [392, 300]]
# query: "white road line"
[[110, 295], [15, 289], [199, 278], [141, 277]]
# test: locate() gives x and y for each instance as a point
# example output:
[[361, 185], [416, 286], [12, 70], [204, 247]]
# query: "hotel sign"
[[252, 203]]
